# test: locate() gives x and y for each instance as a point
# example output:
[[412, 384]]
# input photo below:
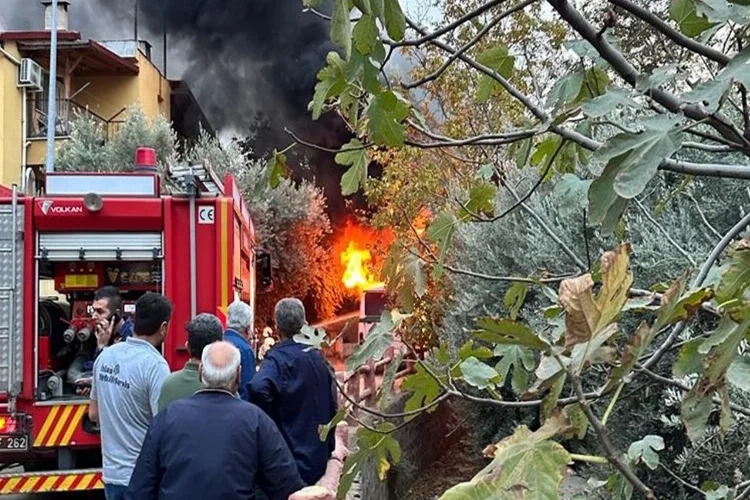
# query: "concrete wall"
[[11, 103], [422, 442]]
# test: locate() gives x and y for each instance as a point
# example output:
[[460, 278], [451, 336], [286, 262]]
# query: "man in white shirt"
[[125, 392]]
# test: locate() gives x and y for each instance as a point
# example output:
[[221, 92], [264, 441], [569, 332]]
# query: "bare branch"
[[448, 28], [674, 35], [612, 455], [679, 385], [682, 481], [706, 169], [703, 216], [666, 234], [711, 148], [437, 401], [516, 135], [309, 144], [521, 201], [494, 22]]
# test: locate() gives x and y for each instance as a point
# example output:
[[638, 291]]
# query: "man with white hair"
[[213, 445], [239, 330]]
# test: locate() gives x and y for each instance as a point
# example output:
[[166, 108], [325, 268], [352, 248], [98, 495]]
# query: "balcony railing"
[[67, 112]]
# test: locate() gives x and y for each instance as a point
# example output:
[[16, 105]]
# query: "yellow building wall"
[[11, 119], [154, 92], [106, 96]]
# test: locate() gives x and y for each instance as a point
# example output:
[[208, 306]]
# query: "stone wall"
[[422, 442]]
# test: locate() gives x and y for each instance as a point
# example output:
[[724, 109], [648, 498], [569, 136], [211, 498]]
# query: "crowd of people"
[[219, 428]]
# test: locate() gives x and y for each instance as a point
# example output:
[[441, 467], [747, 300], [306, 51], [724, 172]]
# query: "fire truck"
[[195, 245]]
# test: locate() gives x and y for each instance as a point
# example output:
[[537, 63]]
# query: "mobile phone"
[[115, 318]]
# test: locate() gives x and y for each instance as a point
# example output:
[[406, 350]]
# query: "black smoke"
[[252, 65]]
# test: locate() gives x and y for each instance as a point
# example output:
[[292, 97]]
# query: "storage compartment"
[[71, 268]]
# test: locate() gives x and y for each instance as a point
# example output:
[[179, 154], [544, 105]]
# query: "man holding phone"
[[110, 325]]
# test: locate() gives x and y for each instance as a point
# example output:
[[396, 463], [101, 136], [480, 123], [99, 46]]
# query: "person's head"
[[240, 317], [107, 301], [290, 317], [203, 330], [153, 311], [220, 367]]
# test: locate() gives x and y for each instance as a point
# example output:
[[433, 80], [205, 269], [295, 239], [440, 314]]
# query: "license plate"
[[17, 442]]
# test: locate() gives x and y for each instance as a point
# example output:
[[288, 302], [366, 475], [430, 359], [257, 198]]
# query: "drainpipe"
[[52, 103], [24, 146], [10, 56]]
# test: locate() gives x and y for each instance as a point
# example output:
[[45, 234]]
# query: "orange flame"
[[357, 274]]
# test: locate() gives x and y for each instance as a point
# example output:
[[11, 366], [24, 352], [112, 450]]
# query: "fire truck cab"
[[196, 245]]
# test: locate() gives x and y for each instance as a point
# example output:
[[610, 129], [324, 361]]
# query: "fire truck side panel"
[[212, 270], [176, 275], [29, 302], [117, 214], [12, 261]]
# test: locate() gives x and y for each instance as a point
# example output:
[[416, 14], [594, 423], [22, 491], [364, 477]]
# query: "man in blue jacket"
[[295, 387], [213, 445], [239, 330]]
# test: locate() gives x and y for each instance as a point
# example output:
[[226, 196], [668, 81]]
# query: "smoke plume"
[[252, 65]]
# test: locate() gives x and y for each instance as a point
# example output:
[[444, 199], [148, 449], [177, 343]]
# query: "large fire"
[[356, 272]]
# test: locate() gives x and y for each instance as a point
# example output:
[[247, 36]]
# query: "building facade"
[[99, 78]]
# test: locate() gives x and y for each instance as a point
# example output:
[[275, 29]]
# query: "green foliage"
[[684, 13], [378, 340], [646, 451], [377, 445], [89, 150], [497, 59], [354, 155], [526, 465], [385, 114]]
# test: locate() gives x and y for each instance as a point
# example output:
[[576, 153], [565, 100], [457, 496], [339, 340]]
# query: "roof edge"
[[38, 35]]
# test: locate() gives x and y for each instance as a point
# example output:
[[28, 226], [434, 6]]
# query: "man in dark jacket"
[[214, 445], [294, 386]]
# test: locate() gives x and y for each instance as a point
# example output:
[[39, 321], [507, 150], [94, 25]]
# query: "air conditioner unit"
[[30, 75]]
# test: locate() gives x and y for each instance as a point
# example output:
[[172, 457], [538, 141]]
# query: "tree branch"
[[677, 166], [671, 33], [494, 22], [448, 28], [522, 200], [711, 148], [666, 234], [612, 455], [715, 254], [679, 385], [703, 216], [578, 262], [628, 72]]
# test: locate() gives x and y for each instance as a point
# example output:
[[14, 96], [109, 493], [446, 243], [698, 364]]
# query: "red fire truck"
[[195, 245]]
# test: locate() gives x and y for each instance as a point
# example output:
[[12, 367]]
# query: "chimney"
[[62, 15]]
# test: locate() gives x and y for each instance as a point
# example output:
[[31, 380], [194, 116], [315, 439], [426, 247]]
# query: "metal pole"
[[135, 23], [52, 102], [164, 44]]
